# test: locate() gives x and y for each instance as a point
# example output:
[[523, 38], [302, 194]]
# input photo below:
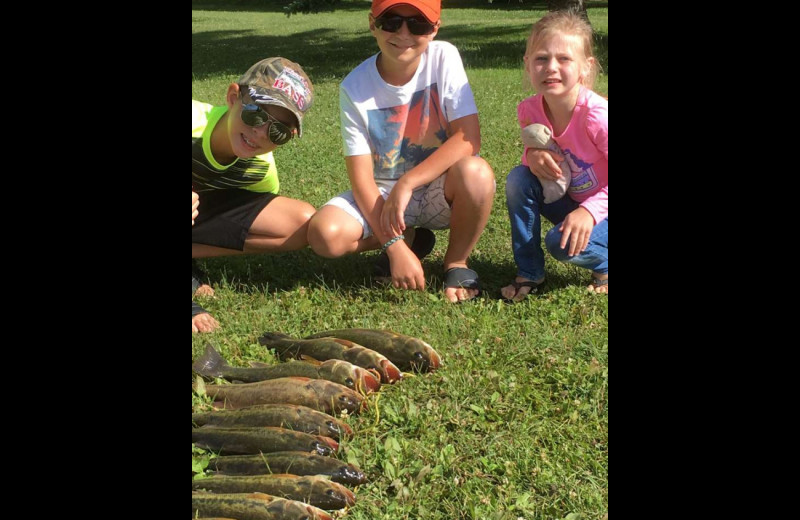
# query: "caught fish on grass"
[[317, 491], [212, 364], [289, 416], [317, 394], [253, 506], [323, 349], [251, 441], [407, 352], [293, 462]]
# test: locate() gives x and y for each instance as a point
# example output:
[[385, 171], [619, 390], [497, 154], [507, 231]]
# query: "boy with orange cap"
[[411, 139]]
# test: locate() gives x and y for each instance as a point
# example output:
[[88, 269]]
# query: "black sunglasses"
[[253, 115], [416, 26]]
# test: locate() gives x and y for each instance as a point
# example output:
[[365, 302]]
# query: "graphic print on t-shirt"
[[405, 135], [583, 176]]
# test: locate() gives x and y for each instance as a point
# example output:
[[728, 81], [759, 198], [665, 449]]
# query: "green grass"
[[516, 423]]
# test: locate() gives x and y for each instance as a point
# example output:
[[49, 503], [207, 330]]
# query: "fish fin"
[[269, 337], [211, 364], [311, 360], [345, 342]]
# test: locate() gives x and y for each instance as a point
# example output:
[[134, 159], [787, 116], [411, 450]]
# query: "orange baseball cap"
[[430, 9]]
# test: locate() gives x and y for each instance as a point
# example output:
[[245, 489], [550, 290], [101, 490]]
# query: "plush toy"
[[539, 136]]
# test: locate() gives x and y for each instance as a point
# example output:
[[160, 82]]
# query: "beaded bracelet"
[[392, 241]]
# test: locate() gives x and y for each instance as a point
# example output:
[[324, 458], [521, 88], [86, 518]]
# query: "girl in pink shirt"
[[561, 67]]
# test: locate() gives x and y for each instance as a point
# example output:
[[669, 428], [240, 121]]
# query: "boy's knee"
[[476, 177], [323, 237]]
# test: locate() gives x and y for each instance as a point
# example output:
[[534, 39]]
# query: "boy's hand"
[[406, 268], [544, 164], [195, 204], [578, 226], [393, 221]]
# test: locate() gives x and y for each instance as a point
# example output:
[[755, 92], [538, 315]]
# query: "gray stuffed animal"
[[539, 136]]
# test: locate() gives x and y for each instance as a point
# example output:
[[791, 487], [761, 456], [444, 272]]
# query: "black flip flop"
[[533, 285], [464, 278], [196, 309], [424, 240]]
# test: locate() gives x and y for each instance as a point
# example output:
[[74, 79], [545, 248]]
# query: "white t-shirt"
[[401, 126]]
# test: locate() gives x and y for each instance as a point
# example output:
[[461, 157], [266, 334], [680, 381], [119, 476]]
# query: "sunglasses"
[[253, 115], [416, 26]]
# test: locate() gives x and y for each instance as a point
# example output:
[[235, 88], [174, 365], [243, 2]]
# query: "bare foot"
[[517, 293], [204, 322], [204, 290], [458, 294], [599, 283], [457, 276]]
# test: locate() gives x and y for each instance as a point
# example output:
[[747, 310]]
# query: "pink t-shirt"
[[585, 145]]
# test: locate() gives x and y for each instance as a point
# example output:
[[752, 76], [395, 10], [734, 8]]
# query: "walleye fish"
[[317, 491], [317, 394], [212, 364], [289, 416], [254, 506], [407, 352], [332, 348], [293, 462], [251, 441]]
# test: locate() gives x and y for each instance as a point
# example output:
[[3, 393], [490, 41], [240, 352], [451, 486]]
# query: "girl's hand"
[[544, 164], [394, 207], [576, 229], [195, 204]]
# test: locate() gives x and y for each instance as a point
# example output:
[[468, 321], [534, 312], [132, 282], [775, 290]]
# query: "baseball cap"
[[430, 9], [281, 82]]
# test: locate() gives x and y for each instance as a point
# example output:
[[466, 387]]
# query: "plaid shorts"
[[427, 208]]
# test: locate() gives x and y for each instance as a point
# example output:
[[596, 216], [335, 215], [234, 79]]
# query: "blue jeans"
[[525, 203]]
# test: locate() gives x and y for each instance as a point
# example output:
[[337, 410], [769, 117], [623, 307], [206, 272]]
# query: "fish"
[[251, 441], [317, 394], [290, 416], [407, 352], [294, 462], [323, 349], [254, 506], [317, 491], [212, 364]]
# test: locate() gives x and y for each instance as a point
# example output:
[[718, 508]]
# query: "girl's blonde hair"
[[565, 22]]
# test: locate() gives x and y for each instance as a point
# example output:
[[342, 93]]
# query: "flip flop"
[[196, 309], [462, 277], [424, 240], [533, 285], [596, 282]]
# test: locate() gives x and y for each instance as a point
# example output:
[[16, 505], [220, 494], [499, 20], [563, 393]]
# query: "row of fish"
[[278, 433]]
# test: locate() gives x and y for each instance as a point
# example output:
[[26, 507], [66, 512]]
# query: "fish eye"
[[330, 493], [419, 355], [331, 426], [349, 382]]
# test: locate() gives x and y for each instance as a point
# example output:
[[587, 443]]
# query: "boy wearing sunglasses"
[[411, 139], [237, 209]]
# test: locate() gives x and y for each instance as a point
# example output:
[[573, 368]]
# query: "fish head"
[[337, 495], [338, 428], [368, 380], [349, 474], [321, 447], [423, 356], [351, 401], [392, 372], [340, 372]]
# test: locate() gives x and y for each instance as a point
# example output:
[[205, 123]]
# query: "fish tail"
[[211, 364]]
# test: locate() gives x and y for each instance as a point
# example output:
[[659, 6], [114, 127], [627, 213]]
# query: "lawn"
[[515, 424]]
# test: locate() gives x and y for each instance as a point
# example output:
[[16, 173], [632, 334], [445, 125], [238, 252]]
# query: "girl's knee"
[[552, 241]]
